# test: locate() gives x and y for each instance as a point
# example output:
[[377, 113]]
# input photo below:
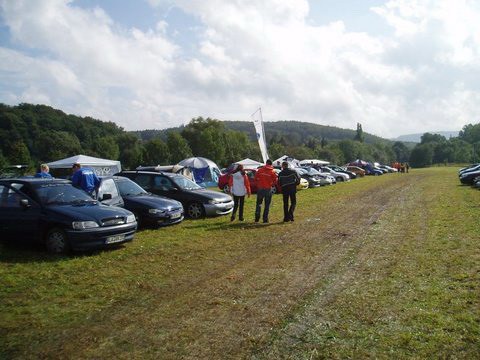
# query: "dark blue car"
[[61, 216], [149, 209]]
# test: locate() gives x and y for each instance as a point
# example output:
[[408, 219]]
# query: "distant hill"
[[295, 131], [416, 137]]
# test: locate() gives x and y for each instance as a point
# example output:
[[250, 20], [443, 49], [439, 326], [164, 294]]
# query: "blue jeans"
[[267, 195]]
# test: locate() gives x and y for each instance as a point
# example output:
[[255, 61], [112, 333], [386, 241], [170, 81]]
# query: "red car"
[[223, 182]]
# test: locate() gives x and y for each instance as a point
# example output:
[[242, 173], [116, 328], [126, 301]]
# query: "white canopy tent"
[[102, 167], [249, 163], [292, 162]]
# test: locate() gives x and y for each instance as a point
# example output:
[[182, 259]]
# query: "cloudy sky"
[[397, 67]]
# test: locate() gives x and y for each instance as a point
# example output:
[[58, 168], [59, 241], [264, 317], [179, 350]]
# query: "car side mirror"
[[24, 203], [107, 196]]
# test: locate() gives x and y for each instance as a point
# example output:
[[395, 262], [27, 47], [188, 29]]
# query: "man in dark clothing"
[[288, 180]]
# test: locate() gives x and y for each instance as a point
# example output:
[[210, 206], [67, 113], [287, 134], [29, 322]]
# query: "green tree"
[[432, 138], [131, 150], [156, 152], [300, 152], [19, 154], [402, 152], [105, 147], [329, 154], [274, 151], [359, 134], [237, 146], [55, 145], [470, 133], [422, 155], [178, 147]]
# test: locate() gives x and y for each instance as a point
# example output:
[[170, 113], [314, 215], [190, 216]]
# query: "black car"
[[469, 177], [149, 209], [61, 216], [196, 201]]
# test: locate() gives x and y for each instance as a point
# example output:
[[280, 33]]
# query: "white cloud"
[[248, 53]]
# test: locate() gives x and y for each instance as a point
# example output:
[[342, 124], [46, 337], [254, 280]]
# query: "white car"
[[337, 175]]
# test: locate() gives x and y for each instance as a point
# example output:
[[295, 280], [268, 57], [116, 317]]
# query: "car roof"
[[36, 181], [148, 173]]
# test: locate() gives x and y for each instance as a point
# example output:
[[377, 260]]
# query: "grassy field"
[[381, 267]]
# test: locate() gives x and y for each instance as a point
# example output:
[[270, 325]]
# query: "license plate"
[[175, 215], [115, 239]]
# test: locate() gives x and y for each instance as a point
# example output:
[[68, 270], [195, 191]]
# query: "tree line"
[[31, 134]]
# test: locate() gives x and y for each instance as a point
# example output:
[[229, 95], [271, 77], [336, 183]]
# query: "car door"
[[163, 186], [19, 214], [108, 193]]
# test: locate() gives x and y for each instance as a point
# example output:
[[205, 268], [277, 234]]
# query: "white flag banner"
[[258, 123]]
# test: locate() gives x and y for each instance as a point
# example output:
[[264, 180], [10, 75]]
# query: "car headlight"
[[213, 202], [82, 225], [130, 219], [156, 211]]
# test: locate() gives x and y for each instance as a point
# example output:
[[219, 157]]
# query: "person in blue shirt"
[[85, 178], [44, 172]]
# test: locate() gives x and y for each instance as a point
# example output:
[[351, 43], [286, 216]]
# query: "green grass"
[[379, 267]]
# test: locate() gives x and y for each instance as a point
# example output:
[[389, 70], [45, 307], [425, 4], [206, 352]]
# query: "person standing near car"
[[288, 180], [265, 178], [85, 178], [239, 187], [44, 172]]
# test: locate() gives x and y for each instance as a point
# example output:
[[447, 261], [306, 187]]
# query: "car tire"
[[339, 179], [226, 189], [195, 210], [56, 241], [138, 219]]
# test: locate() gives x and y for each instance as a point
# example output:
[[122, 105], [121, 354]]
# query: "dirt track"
[[237, 308]]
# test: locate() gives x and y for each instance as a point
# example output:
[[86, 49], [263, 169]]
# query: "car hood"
[[88, 212], [210, 194], [153, 201]]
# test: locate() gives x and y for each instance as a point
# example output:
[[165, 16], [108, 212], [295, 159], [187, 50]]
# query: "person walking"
[[239, 187], [288, 180], [265, 178], [44, 172], [85, 178]]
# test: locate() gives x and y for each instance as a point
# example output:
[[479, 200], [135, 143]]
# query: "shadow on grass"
[[243, 225], [28, 252]]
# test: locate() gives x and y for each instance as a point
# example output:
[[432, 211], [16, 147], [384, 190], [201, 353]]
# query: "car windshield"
[[312, 171], [128, 188], [185, 184], [61, 194], [301, 171]]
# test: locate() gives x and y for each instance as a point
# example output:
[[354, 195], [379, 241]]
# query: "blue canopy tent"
[[205, 171]]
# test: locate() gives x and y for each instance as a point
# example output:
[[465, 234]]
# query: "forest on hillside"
[[31, 134]]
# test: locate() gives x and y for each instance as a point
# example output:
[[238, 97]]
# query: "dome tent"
[[205, 171]]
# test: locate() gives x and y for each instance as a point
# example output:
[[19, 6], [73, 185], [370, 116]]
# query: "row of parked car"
[[64, 218], [470, 175]]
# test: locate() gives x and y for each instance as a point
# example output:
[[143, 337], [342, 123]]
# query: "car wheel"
[[226, 189], [339, 179], [195, 210], [137, 217], [56, 241]]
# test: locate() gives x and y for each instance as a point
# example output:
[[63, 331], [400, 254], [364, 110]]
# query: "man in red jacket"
[[265, 178]]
